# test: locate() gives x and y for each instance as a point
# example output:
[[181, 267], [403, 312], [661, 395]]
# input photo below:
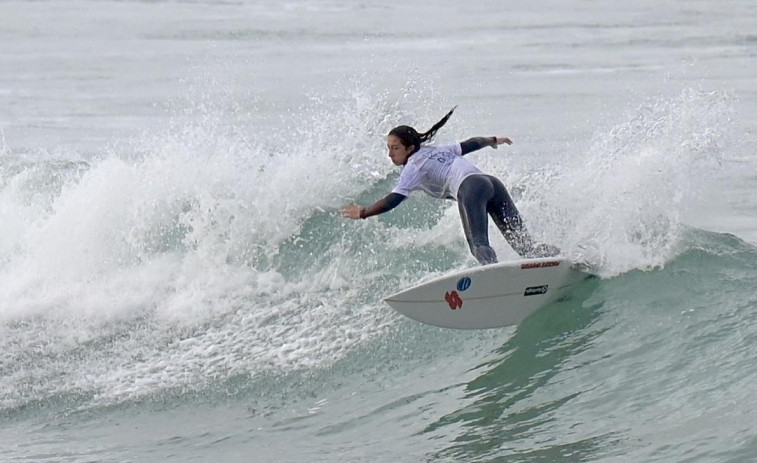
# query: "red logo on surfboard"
[[552, 263], [453, 299]]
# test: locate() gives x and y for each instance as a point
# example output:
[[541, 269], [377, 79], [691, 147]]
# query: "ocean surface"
[[176, 282]]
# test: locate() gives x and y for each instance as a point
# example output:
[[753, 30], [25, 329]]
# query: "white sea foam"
[[170, 259], [170, 251], [619, 203]]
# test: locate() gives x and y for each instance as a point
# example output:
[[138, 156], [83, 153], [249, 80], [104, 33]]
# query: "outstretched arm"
[[476, 143], [385, 204]]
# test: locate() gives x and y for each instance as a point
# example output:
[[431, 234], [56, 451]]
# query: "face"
[[398, 153]]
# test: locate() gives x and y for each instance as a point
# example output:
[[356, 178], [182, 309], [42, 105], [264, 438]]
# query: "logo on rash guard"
[[453, 299], [442, 157]]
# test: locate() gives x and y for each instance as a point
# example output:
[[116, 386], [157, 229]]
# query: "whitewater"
[[177, 283]]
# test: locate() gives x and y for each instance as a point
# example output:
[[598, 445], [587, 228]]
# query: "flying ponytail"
[[425, 137], [410, 137]]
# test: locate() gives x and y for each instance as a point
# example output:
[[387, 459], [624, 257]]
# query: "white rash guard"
[[437, 170]]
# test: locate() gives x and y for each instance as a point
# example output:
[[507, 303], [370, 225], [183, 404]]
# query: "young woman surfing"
[[442, 172]]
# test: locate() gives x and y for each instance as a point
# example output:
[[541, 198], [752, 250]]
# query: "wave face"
[[200, 255], [206, 264]]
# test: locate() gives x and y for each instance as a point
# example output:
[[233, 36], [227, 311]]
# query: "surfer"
[[442, 172]]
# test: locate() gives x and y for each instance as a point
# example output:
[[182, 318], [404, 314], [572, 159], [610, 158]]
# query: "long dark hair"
[[410, 137]]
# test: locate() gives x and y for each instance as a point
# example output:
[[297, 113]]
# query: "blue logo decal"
[[463, 283]]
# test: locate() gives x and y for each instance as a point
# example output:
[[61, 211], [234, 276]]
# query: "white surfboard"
[[488, 296]]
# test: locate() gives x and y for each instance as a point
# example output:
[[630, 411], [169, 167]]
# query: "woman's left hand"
[[503, 140], [352, 211]]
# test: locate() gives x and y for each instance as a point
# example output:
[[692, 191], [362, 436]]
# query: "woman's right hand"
[[352, 211]]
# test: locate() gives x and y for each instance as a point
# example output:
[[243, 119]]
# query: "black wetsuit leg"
[[506, 217], [480, 195], [473, 198]]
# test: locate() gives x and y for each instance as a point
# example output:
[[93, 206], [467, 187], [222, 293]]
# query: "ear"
[[411, 149]]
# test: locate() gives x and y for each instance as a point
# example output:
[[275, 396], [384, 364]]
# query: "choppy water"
[[177, 285]]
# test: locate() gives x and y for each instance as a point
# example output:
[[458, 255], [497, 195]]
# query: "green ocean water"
[[647, 365]]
